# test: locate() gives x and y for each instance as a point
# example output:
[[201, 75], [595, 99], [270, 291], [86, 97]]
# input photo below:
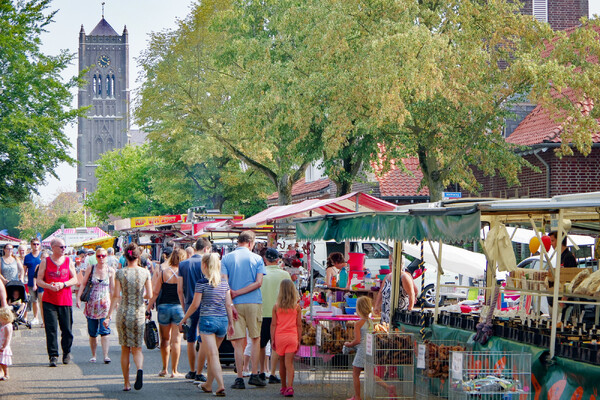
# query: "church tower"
[[105, 55]]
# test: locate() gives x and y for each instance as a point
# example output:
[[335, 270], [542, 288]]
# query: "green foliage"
[[281, 83], [35, 104], [9, 220], [126, 186]]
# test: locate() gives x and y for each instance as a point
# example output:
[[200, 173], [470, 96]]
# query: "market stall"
[[567, 353]]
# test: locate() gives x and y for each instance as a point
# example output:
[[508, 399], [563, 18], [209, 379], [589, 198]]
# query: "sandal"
[[93, 359], [107, 360], [139, 380], [127, 389], [4, 378], [162, 374], [205, 390], [220, 393]]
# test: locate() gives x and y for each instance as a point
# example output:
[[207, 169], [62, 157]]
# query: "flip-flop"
[[162, 374], [139, 380], [107, 360], [220, 393], [127, 389], [205, 390], [93, 359]]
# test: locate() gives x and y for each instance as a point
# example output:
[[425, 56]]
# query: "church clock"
[[104, 61]]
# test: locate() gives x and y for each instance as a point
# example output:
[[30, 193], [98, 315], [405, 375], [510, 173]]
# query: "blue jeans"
[[169, 313], [96, 327], [213, 325]]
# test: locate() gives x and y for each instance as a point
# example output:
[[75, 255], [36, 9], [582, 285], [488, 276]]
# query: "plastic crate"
[[389, 366], [433, 366], [489, 375]]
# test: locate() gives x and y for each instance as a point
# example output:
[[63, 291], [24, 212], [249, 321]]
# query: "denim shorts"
[[96, 327], [169, 314], [192, 334], [216, 325]]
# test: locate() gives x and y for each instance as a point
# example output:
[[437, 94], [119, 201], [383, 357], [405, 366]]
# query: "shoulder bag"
[[150, 333], [87, 290]]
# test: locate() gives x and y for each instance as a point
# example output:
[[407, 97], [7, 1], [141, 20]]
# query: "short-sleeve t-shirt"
[[31, 263], [191, 272], [242, 266], [213, 298]]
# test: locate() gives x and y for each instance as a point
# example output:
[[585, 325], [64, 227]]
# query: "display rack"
[[389, 366], [433, 366]]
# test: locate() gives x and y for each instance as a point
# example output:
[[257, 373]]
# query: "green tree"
[[35, 105], [449, 71], [126, 186], [9, 220], [179, 96]]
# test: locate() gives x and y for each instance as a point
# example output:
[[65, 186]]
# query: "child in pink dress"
[[6, 328]]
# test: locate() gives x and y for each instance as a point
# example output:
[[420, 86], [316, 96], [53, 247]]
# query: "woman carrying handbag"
[[97, 302]]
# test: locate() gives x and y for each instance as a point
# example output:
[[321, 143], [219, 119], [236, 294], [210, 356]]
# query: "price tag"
[[369, 344], [457, 365], [318, 335], [421, 356]]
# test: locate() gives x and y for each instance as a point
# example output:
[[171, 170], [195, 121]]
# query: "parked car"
[[427, 295]]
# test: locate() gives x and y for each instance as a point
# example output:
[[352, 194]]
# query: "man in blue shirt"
[[31, 261], [244, 271], [190, 272]]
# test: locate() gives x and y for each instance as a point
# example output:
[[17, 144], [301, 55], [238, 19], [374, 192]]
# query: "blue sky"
[[141, 17]]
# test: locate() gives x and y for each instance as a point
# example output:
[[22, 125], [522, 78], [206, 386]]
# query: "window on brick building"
[[540, 10]]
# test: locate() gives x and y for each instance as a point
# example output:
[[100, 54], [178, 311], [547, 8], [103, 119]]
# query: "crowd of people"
[[245, 296]]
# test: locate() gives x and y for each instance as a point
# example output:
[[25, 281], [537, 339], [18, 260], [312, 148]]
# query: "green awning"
[[448, 225]]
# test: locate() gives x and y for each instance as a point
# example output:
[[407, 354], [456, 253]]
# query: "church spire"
[[103, 9]]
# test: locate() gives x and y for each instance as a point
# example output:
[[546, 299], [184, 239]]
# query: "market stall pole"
[[556, 284]]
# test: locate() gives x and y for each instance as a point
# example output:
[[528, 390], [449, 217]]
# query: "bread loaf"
[[579, 278], [589, 284]]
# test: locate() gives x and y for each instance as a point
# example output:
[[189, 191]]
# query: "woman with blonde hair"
[[216, 317], [170, 311]]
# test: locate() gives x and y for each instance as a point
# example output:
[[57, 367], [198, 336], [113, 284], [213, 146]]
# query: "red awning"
[[353, 202], [9, 239]]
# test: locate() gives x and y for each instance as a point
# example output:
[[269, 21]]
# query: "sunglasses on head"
[[100, 255]]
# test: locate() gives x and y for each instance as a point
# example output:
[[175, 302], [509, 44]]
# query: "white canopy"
[[524, 236]]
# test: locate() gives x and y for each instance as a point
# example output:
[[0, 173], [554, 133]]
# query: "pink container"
[[356, 274], [356, 261]]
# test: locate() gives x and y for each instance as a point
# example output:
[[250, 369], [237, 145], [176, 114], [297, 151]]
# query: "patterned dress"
[[131, 313], [99, 302]]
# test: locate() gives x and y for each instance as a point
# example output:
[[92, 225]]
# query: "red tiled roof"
[[397, 183], [301, 187], [537, 127]]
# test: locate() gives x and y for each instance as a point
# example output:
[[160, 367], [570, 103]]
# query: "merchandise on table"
[[489, 374]]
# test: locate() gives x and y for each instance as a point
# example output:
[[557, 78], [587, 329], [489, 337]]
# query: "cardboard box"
[[567, 274]]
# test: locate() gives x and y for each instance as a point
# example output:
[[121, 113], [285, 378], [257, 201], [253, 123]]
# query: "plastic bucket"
[[356, 261]]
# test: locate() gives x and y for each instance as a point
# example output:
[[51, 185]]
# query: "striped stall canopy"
[[352, 202]]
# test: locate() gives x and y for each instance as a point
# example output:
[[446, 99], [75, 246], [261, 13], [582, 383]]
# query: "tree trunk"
[[431, 174], [284, 190]]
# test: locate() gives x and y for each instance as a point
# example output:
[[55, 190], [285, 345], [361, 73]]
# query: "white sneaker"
[[246, 374], [35, 321]]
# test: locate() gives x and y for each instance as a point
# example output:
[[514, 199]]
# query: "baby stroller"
[[21, 297]]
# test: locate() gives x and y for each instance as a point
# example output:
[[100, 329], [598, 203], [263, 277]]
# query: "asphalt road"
[[32, 378]]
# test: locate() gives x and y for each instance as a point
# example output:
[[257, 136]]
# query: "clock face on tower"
[[104, 61]]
